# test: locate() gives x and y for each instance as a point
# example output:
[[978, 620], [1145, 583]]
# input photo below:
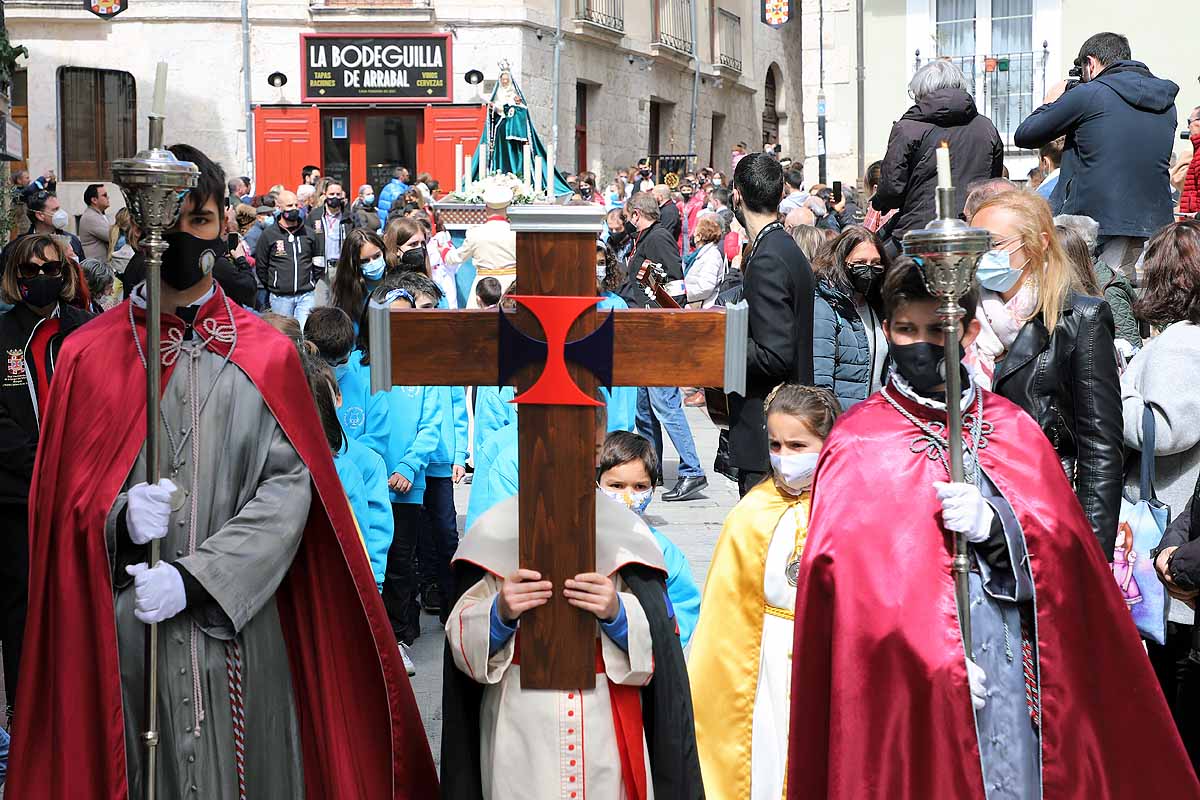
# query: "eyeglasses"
[[51, 269], [874, 267]]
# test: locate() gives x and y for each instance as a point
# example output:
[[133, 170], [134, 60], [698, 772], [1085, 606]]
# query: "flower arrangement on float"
[[472, 194]]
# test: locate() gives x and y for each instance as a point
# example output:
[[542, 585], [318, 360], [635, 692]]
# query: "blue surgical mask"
[[373, 269], [996, 271], [637, 502]]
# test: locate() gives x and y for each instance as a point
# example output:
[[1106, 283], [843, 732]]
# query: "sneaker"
[[407, 659], [432, 601]]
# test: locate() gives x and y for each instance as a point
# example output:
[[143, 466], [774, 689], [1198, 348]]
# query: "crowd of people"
[[828, 614]]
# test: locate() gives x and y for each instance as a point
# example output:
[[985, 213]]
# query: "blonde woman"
[[1048, 347]]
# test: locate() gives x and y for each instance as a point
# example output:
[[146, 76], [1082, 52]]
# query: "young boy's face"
[[788, 435], [630, 476], [423, 301], [918, 321]]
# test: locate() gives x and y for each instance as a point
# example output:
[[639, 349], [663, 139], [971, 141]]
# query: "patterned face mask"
[[637, 502]]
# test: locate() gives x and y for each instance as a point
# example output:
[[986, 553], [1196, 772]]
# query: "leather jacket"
[[1067, 380]]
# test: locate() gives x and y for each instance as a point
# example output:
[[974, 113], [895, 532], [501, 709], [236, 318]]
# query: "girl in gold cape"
[[740, 664]]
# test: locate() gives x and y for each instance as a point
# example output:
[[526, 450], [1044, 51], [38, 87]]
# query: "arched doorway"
[[770, 117]]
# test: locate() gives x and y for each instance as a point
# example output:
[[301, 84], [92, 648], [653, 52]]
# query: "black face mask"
[[740, 216], [617, 238], [290, 217], [335, 203], [188, 259], [414, 259], [863, 279], [41, 290], [922, 364]]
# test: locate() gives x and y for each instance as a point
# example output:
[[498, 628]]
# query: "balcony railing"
[[605, 13], [729, 40], [373, 3], [1005, 86], [673, 25]]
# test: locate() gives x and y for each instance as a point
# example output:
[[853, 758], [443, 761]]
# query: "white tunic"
[[772, 702], [546, 744]]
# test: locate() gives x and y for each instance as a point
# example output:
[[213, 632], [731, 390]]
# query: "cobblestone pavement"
[[693, 526]]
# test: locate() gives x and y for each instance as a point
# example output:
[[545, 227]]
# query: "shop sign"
[[345, 68]]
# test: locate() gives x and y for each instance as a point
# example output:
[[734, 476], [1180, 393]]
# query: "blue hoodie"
[[364, 416], [378, 526], [496, 477], [453, 435], [414, 430], [395, 190], [493, 410], [621, 400], [356, 493]]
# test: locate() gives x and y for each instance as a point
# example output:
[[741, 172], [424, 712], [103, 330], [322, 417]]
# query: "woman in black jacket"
[[42, 282], [943, 112], [1048, 347]]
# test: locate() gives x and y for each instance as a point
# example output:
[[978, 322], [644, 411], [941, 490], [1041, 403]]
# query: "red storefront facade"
[[370, 103]]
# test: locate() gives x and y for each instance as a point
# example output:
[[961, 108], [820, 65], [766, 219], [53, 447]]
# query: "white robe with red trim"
[[546, 744]]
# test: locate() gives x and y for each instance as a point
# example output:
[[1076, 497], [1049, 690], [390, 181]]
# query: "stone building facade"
[[626, 77]]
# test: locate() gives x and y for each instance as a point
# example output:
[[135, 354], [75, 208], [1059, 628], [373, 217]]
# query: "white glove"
[[158, 593], [977, 679], [149, 511], [964, 510]]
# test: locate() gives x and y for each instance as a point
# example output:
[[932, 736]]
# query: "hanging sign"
[[348, 68], [776, 12], [106, 9]]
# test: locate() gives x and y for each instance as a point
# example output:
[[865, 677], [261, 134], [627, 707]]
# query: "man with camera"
[[1119, 122]]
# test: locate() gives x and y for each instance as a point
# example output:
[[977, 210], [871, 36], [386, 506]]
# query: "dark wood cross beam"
[[556, 255]]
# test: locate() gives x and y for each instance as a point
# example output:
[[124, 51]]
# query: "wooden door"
[[444, 127], [285, 139]]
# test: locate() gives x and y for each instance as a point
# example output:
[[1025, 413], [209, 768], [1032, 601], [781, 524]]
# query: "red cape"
[[880, 706], [361, 733]]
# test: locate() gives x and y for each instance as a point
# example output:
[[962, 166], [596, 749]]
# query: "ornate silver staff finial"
[[154, 183], [505, 65], [948, 251]]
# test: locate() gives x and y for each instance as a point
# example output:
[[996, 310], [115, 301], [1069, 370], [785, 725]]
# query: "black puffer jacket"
[[1067, 381], [908, 178]]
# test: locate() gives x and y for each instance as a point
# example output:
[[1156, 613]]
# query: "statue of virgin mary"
[[508, 129]]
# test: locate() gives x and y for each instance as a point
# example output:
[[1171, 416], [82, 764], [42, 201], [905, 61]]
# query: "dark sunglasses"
[[50, 269]]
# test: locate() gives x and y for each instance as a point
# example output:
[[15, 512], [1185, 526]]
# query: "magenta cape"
[[880, 706], [361, 733]]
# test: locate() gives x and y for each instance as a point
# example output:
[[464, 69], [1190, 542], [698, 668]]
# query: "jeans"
[[1122, 253], [662, 404], [3, 755], [399, 578], [293, 305], [438, 538]]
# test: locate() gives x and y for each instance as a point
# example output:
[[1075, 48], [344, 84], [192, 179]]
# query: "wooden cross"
[[556, 256]]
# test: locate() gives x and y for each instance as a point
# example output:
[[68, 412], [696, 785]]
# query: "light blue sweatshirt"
[[493, 410], [453, 440], [621, 400], [378, 526], [414, 429], [364, 416]]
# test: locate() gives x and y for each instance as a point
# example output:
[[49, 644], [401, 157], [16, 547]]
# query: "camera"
[[1187, 137], [1074, 75]]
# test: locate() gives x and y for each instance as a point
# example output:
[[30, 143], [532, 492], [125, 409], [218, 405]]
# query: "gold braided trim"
[[782, 613], [494, 271]]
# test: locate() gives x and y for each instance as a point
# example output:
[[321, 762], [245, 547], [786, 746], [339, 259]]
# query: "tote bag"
[[1139, 530]]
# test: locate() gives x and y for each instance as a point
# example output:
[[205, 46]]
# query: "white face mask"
[[637, 502], [601, 272], [794, 470], [61, 219]]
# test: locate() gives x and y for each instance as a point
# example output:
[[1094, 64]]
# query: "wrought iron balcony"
[[729, 40], [605, 13], [673, 25]]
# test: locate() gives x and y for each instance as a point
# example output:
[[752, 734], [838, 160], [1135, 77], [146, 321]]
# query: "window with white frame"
[[992, 41]]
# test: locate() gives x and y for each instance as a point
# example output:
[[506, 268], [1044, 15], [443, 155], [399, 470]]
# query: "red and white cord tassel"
[[233, 666]]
